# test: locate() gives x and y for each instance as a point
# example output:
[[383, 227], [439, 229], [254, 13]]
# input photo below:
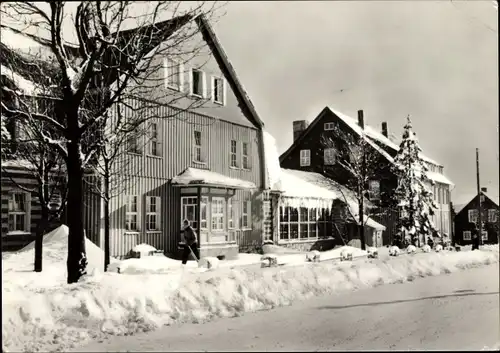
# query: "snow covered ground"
[[41, 312]]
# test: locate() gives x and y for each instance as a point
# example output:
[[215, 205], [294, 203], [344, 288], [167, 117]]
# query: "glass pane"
[[303, 231], [303, 214], [312, 214], [284, 231], [284, 214], [294, 231], [313, 233], [294, 215], [321, 230], [19, 222]]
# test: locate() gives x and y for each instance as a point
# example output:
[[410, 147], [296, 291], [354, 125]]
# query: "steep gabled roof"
[[220, 56], [474, 199], [373, 137]]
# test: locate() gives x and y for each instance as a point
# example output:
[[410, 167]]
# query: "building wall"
[[461, 222], [16, 240]]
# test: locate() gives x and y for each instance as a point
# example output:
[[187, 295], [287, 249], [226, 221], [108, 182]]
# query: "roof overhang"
[[205, 178]]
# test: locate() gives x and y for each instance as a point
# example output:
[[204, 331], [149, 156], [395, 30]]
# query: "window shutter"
[[190, 73], [224, 90], [204, 91], [212, 88], [181, 77], [165, 72]]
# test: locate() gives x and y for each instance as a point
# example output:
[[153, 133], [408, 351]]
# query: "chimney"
[[298, 127], [361, 119], [484, 189], [384, 129]]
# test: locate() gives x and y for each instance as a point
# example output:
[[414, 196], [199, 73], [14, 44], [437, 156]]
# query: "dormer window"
[[218, 90]]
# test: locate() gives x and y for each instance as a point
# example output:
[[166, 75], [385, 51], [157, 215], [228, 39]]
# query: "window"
[[133, 143], [374, 188], [218, 90], [246, 213], [467, 235], [484, 235], [473, 215], [482, 197], [245, 154], [173, 74], [329, 126], [19, 212], [233, 154], [492, 215], [329, 156], [131, 214], [304, 223], [218, 213], [197, 146], [154, 145], [152, 213], [197, 82], [189, 207], [305, 158]]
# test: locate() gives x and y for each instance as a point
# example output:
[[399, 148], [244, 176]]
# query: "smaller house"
[[468, 214]]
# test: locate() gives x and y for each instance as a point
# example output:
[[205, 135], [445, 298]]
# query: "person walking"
[[191, 242], [475, 237]]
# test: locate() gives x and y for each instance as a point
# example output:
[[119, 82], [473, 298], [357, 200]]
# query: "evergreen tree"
[[415, 199]]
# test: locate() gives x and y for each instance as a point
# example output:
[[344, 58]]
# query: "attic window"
[[305, 158], [218, 90], [329, 126], [197, 82]]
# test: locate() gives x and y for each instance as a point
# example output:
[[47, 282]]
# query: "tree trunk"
[[77, 261], [361, 227], [40, 230], [106, 222]]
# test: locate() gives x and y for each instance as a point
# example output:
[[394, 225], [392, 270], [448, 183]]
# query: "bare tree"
[[110, 65], [29, 151], [356, 160]]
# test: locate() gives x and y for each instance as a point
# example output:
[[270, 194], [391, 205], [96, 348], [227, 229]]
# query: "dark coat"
[[189, 235]]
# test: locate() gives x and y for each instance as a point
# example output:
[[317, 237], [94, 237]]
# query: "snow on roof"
[[18, 163], [272, 161], [308, 185], [26, 86], [440, 178], [370, 222], [374, 134], [202, 177]]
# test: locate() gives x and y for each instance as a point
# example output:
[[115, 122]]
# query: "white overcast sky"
[[434, 60]]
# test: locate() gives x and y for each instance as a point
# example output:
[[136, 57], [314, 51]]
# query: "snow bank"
[[60, 318]]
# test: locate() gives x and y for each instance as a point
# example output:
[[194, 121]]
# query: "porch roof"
[[370, 222], [201, 177]]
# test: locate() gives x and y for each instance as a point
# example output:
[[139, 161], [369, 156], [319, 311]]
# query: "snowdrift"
[[58, 318]]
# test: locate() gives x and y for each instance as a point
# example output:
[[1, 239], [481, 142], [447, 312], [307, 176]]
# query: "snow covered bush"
[[269, 260], [346, 255], [439, 248], [209, 262], [142, 250], [394, 251], [313, 256], [411, 249], [372, 252], [426, 248]]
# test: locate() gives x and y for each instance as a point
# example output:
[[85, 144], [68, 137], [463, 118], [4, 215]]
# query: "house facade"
[[202, 160], [309, 152], [469, 215]]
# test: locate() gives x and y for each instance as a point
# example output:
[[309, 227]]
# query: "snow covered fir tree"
[[414, 196]]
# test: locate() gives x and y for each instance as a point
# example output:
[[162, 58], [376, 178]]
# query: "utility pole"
[[480, 221]]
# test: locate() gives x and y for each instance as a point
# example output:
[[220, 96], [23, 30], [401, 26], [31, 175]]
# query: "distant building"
[[308, 153], [468, 214]]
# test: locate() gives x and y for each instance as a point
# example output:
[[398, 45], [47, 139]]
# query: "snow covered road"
[[458, 311]]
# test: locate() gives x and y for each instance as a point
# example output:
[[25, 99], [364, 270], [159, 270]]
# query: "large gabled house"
[[467, 215], [205, 165], [309, 153]]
